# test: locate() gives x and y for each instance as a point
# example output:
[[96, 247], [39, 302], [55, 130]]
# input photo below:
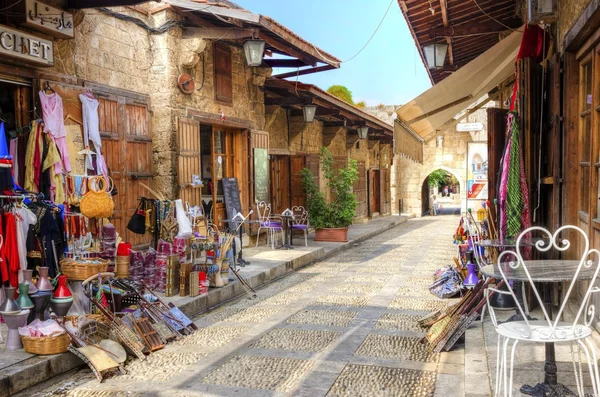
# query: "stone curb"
[[38, 369]]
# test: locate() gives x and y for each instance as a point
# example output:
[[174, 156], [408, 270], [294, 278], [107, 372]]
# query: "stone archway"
[[425, 190]]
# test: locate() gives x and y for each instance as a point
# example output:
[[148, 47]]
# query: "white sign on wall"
[[468, 127], [25, 47], [48, 19]]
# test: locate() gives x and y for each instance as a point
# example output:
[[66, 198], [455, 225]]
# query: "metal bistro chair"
[[273, 224], [300, 221], [547, 330]]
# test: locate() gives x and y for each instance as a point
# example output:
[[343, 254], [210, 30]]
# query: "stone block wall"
[[334, 139], [277, 126]]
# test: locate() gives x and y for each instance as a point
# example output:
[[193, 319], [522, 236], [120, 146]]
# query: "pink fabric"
[[52, 111]]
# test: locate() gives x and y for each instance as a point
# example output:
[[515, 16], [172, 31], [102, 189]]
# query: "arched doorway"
[[446, 187]]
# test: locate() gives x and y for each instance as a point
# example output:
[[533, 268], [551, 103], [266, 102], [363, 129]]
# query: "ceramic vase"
[[43, 284], [27, 280], [23, 300], [9, 306], [61, 307], [13, 322], [62, 289], [41, 300], [472, 278]]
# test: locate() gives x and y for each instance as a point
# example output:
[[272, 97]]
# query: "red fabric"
[[3, 264], [532, 45], [11, 250]]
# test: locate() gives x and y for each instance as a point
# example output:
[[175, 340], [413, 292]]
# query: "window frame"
[[228, 75]]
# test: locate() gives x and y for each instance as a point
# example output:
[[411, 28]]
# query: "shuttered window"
[[223, 79]]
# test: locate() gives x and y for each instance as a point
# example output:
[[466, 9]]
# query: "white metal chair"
[[300, 221], [547, 330], [272, 224]]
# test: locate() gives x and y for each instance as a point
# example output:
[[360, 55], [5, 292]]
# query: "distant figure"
[[435, 206], [431, 201], [445, 191]]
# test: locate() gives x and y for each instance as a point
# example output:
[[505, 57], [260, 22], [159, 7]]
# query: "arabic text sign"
[[25, 47], [48, 19], [464, 127]]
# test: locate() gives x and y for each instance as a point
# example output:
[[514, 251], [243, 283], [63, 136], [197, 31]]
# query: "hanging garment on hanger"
[[57, 190], [4, 273], [91, 132], [52, 110], [25, 218], [11, 249], [29, 180]]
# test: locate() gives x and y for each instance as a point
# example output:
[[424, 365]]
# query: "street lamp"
[[363, 131], [309, 113], [254, 50], [435, 54]]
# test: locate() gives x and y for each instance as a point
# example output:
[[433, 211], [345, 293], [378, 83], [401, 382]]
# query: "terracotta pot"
[[334, 235]]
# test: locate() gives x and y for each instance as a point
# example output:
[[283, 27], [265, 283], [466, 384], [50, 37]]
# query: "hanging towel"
[[91, 132], [52, 110]]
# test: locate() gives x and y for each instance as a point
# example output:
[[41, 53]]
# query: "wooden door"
[[189, 160], [374, 192], [280, 183], [297, 164], [386, 193], [360, 191], [496, 120]]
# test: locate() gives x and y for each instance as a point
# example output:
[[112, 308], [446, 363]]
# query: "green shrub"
[[340, 212]]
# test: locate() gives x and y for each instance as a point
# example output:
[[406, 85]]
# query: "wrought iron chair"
[[272, 224], [300, 221], [547, 330]]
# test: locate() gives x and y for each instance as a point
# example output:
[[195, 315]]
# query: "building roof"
[[241, 23], [331, 110], [470, 27]]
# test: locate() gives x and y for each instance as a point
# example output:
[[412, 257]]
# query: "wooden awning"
[[430, 111], [407, 143]]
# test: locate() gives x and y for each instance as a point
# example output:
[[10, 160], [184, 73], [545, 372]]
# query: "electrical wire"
[[492, 18], [161, 29], [363, 47]]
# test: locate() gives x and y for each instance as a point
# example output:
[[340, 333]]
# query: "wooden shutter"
[[496, 119], [313, 164], [189, 160], [223, 73], [360, 190]]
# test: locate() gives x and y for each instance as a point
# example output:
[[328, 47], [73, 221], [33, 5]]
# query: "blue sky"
[[387, 71]]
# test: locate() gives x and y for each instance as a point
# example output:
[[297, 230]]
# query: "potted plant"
[[331, 220]]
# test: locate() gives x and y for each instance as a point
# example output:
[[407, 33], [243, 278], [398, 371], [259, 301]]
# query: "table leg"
[[550, 387]]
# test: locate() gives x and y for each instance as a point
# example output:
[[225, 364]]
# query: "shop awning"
[[407, 144], [428, 112]]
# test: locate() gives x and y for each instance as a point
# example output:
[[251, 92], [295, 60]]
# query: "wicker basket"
[[46, 345], [80, 269]]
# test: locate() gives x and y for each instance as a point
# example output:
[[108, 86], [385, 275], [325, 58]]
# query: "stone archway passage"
[[448, 194]]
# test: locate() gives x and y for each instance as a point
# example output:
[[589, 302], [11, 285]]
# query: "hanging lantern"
[[254, 50], [309, 113], [440, 141], [363, 132], [435, 54]]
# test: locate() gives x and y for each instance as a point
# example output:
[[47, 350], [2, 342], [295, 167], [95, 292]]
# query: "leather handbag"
[[137, 222], [97, 202]]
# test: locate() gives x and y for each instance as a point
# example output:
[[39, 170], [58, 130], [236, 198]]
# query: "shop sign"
[[47, 19], [467, 127], [25, 47]]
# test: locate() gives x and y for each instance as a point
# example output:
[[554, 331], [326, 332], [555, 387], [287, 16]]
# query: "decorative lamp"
[[435, 54], [440, 141], [363, 132], [254, 50], [309, 113]]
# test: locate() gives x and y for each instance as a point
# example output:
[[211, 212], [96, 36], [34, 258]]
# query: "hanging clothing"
[[52, 110], [6, 177], [33, 158], [91, 132], [11, 249], [14, 153], [4, 274], [25, 218], [57, 189]]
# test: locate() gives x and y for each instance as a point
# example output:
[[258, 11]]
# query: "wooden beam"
[[289, 100], [446, 24], [473, 29], [287, 50], [218, 33], [304, 71], [210, 10], [285, 63]]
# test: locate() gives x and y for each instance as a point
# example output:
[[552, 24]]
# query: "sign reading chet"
[[25, 47]]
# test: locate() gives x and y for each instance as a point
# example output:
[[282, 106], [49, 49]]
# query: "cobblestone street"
[[345, 326]]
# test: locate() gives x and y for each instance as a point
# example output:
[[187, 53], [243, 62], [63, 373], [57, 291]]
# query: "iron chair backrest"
[[263, 211], [514, 259], [300, 215], [473, 238]]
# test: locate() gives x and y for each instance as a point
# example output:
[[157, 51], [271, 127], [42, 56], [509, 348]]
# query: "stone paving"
[[345, 326]]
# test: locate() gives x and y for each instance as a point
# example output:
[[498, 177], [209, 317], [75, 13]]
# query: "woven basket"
[[81, 269], [46, 344]]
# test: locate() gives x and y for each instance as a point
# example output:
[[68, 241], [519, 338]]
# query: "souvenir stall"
[[69, 281]]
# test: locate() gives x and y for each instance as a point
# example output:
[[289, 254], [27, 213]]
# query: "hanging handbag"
[[137, 223], [97, 202]]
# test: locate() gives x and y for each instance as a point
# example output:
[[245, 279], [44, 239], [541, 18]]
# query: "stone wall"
[[451, 157], [120, 54], [568, 11]]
